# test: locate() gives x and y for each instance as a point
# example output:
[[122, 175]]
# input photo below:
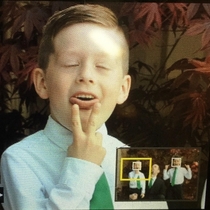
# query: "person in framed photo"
[[137, 182], [176, 174], [155, 188]]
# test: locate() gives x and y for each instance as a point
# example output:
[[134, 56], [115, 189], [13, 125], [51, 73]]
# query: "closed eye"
[[102, 67], [71, 65]]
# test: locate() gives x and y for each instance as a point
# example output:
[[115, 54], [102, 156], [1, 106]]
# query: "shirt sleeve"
[[24, 190], [143, 183], [165, 174], [188, 173]]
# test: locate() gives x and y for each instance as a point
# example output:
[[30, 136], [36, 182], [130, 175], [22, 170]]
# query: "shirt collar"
[[61, 136]]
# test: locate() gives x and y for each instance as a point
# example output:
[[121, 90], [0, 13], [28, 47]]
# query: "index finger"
[[92, 122], [75, 120]]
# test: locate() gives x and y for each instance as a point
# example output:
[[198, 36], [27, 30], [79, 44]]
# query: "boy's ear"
[[125, 88], [40, 83]]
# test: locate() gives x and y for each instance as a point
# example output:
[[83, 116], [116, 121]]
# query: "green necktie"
[[101, 197], [174, 177], [138, 183], [150, 183]]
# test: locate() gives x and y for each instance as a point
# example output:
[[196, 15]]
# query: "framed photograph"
[[159, 163]]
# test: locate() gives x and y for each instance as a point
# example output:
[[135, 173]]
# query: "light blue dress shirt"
[[180, 174], [133, 180]]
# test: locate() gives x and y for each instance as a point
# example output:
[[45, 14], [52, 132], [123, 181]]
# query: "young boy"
[[176, 174], [137, 182], [83, 65]]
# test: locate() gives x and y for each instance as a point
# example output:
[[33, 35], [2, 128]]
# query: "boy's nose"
[[83, 79], [85, 75]]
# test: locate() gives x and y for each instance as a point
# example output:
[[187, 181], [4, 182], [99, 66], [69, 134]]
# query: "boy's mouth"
[[84, 97], [85, 101]]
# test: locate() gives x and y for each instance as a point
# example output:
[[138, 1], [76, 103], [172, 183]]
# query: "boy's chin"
[[84, 117]]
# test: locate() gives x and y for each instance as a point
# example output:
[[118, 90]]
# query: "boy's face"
[[176, 161], [155, 169], [137, 166], [85, 68]]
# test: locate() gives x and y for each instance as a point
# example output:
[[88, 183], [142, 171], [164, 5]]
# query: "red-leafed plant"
[[160, 111], [165, 111], [20, 109]]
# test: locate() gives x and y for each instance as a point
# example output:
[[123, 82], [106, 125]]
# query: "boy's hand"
[[166, 167], [87, 145], [187, 166], [142, 195]]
